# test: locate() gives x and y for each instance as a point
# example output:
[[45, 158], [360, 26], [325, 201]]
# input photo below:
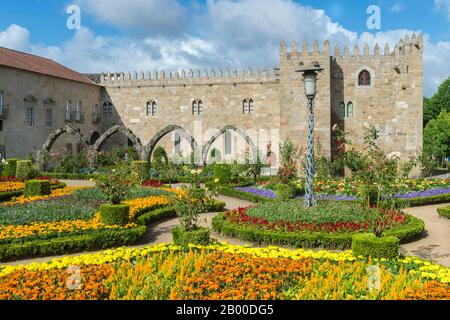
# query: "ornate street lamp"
[[310, 80]]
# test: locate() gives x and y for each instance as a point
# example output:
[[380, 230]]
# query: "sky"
[[135, 35]]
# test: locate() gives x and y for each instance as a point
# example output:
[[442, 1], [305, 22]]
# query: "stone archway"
[[47, 146], [163, 132], [241, 133], [125, 131]]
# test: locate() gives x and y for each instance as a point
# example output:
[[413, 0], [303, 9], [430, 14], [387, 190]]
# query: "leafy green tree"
[[437, 137], [439, 102]]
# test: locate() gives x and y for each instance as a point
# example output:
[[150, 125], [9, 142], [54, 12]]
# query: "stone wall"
[[45, 93]]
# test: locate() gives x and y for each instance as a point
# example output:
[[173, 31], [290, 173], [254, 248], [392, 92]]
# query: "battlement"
[[190, 77], [407, 45]]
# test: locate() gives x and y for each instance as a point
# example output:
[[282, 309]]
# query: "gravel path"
[[434, 245]]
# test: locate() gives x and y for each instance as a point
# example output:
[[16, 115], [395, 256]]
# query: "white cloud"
[[397, 7], [15, 37], [443, 5], [151, 17], [243, 33]]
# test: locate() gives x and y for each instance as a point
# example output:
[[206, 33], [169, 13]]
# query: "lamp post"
[[310, 80]]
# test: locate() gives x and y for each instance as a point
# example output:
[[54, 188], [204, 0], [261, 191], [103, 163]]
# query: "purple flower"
[[259, 192], [422, 194]]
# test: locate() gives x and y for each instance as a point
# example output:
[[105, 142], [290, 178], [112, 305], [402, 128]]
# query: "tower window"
[[197, 107], [350, 110], [342, 110], [151, 109], [364, 78], [247, 106]]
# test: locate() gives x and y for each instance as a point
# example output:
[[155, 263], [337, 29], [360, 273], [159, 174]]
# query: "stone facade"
[[163, 108]]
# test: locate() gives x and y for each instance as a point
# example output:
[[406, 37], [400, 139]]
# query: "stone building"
[[227, 110]]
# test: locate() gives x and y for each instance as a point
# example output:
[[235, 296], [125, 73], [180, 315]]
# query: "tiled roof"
[[32, 63]]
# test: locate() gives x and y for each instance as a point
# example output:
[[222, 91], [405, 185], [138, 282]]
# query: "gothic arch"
[[125, 131], [241, 132], [57, 133], [165, 131]]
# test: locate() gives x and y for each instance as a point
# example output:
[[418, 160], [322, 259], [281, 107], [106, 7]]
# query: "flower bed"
[[67, 221], [224, 272], [10, 187], [286, 234], [293, 217]]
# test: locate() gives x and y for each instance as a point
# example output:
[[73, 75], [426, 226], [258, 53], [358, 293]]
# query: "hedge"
[[200, 236], [24, 170], [444, 212], [6, 196], [9, 170], [417, 202], [368, 245], [410, 230], [111, 214], [231, 192], [37, 188], [71, 176], [98, 240], [169, 212]]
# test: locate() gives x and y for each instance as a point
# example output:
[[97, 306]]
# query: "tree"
[[437, 137], [439, 102]]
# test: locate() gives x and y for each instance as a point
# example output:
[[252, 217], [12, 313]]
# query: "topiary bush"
[[9, 169], [35, 188], [368, 245], [284, 192], [444, 212], [114, 214], [199, 236], [222, 172], [139, 171], [24, 170]]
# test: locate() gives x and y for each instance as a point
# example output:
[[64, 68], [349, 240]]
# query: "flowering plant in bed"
[[329, 217]]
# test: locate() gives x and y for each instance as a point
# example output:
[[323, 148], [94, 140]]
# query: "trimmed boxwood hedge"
[[35, 188], [444, 212], [6, 196], [408, 231], [417, 202], [70, 176], [111, 214], [200, 236], [368, 245], [96, 240], [9, 170]]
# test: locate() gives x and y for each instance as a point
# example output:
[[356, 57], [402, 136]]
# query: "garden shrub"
[[156, 215], [36, 188], [95, 240], [444, 212], [368, 245], [223, 173], [231, 192], [114, 214], [199, 236], [24, 170], [10, 168], [139, 171], [284, 192]]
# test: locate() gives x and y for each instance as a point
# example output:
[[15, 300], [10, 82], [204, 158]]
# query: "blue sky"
[[119, 35]]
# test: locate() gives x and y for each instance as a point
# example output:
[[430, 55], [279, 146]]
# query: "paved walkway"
[[434, 245]]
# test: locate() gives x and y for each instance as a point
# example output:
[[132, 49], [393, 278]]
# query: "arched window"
[[197, 107], [68, 116], [151, 108], [350, 110], [247, 106], [364, 78], [107, 109], [342, 110]]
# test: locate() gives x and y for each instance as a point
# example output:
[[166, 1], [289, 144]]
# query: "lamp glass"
[[310, 84]]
